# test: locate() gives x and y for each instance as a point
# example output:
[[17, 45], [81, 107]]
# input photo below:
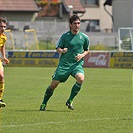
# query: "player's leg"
[[60, 75], [77, 86], [2, 104], [78, 73], [49, 92]]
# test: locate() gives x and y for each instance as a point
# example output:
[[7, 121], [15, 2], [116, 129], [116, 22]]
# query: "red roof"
[[18, 5], [77, 5]]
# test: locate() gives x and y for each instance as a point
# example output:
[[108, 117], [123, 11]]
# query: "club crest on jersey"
[[80, 37]]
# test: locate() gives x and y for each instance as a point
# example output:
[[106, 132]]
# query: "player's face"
[[75, 26], [2, 27]]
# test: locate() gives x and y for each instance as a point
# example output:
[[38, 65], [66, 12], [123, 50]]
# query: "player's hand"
[[6, 60], [65, 50], [79, 57]]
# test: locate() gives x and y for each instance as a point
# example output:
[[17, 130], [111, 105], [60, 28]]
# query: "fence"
[[51, 31]]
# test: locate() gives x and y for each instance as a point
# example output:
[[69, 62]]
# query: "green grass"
[[104, 104]]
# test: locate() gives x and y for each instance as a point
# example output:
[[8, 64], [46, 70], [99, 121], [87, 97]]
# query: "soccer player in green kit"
[[73, 47]]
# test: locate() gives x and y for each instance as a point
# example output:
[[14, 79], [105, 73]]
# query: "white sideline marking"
[[59, 122]]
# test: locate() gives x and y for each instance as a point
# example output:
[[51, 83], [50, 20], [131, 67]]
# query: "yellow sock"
[[1, 90]]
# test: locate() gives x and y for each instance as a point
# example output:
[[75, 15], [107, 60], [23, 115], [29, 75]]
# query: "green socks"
[[49, 92], [47, 95], [75, 89]]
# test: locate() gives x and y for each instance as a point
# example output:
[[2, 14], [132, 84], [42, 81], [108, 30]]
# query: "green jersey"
[[76, 44]]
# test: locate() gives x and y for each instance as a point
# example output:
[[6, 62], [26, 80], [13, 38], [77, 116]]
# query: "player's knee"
[[54, 85], [80, 78], [1, 77]]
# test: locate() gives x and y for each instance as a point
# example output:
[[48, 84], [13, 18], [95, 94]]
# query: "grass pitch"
[[104, 104]]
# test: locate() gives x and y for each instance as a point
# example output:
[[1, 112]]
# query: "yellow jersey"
[[3, 39]]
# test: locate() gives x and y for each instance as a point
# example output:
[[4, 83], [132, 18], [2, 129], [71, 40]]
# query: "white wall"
[[132, 17], [122, 13]]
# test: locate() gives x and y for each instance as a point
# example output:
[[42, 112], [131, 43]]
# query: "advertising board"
[[97, 59], [121, 60], [33, 58]]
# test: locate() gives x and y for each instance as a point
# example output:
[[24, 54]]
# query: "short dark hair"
[[73, 18], [3, 20]]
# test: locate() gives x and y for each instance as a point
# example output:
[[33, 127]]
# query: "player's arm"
[[80, 56], [61, 50], [60, 47], [86, 49], [85, 53], [4, 55]]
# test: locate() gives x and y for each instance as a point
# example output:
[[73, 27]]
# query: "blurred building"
[[122, 13], [96, 16], [18, 10], [59, 9], [91, 12]]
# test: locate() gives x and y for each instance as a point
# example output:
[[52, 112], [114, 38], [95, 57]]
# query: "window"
[[90, 2], [93, 26]]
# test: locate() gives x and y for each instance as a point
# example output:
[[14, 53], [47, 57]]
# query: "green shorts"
[[62, 73]]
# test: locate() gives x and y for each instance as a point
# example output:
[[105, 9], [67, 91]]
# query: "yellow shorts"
[[1, 65]]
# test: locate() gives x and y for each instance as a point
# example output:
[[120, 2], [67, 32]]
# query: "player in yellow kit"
[[3, 39]]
